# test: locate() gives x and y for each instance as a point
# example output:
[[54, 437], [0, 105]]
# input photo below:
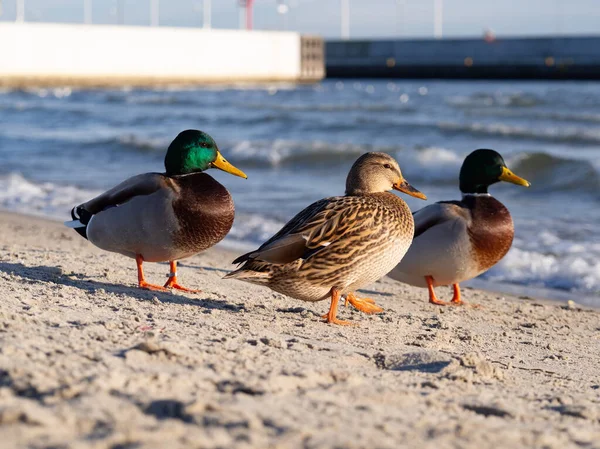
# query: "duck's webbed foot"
[[139, 260], [366, 305], [147, 286], [172, 282], [432, 298], [330, 317]]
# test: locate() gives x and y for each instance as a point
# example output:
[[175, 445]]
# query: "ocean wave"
[[433, 164], [569, 135], [100, 135], [106, 137], [552, 258], [551, 134], [482, 99], [151, 98], [186, 95], [159, 99], [76, 110], [48, 199], [549, 173], [575, 117], [42, 92], [546, 172], [143, 143], [331, 107], [251, 230], [571, 272], [289, 153], [260, 153]]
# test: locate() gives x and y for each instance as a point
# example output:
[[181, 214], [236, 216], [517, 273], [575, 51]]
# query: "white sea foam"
[[572, 272], [543, 259], [251, 230], [57, 92], [551, 134], [47, 199], [281, 152], [431, 164], [81, 136]]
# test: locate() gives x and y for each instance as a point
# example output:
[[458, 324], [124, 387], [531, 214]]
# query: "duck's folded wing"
[[144, 184], [439, 213], [311, 231]]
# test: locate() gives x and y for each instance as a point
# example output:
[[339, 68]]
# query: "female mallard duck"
[[338, 245], [157, 217], [457, 240]]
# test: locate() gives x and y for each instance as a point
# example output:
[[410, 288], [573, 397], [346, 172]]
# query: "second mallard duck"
[[340, 244], [458, 240]]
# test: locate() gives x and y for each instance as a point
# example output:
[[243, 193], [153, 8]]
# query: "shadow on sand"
[[55, 275]]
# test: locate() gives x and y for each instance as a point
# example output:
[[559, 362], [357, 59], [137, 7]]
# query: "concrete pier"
[[105, 55], [499, 58]]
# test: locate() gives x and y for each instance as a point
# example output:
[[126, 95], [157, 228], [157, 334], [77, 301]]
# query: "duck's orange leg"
[[172, 282], [369, 300], [366, 305], [330, 317], [432, 298], [139, 260], [456, 298]]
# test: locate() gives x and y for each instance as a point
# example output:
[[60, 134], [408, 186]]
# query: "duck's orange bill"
[[405, 187], [222, 164], [509, 176]]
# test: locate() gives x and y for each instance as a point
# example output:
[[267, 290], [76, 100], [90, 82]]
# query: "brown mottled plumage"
[[340, 244], [458, 240]]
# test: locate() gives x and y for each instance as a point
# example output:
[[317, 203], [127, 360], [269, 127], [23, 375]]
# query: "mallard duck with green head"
[[159, 217], [455, 241], [340, 244]]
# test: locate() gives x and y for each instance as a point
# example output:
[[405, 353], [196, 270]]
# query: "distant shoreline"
[[103, 82]]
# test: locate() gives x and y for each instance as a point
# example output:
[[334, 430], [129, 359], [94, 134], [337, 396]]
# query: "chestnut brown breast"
[[204, 209], [491, 229]]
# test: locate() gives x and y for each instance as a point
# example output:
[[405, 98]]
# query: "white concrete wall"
[[63, 51]]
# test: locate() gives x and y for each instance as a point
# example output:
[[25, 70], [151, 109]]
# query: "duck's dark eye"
[[387, 166]]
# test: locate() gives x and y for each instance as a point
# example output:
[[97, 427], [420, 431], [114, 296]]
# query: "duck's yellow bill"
[[509, 176], [222, 164], [405, 187]]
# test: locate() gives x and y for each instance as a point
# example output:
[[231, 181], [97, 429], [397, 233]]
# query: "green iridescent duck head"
[[194, 151], [482, 168]]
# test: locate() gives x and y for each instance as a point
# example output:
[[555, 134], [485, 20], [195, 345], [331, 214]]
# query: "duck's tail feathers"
[[81, 219], [243, 258], [249, 275]]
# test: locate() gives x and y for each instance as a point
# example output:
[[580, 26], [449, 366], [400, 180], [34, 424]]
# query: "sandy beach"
[[87, 360]]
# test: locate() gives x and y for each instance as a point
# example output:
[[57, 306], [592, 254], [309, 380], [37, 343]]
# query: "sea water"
[[61, 146]]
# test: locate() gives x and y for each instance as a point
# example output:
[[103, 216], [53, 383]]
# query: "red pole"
[[249, 14]]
